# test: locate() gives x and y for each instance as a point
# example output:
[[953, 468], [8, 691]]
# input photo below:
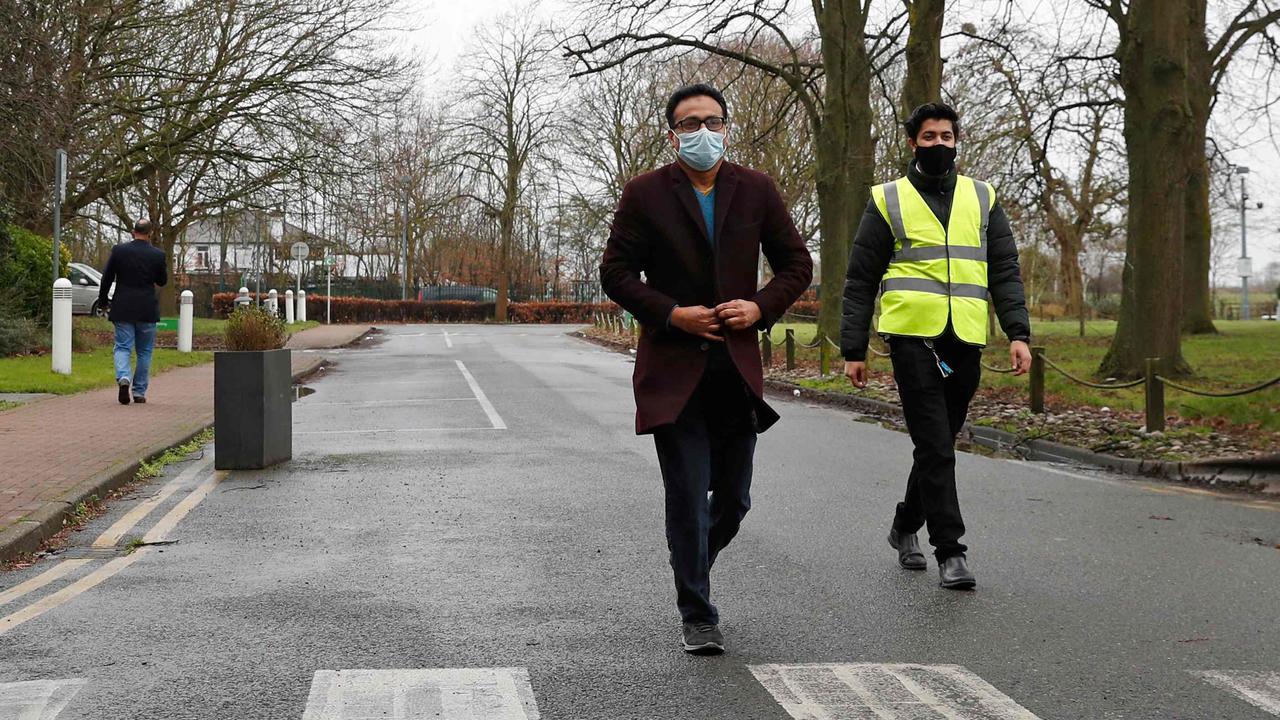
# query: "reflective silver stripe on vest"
[[893, 206], [933, 286], [984, 202], [940, 252]]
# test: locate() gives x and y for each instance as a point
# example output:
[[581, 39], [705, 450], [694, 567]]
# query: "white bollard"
[[273, 302], [288, 306], [302, 306], [186, 319], [242, 298], [62, 326]]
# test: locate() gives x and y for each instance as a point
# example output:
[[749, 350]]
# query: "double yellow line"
[[109, 539]]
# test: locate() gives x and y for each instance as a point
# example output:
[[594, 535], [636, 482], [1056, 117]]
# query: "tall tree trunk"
[[844, 149], [923, 83], [1154, 71], [1197, 305], [506, 223], [1072, 285]]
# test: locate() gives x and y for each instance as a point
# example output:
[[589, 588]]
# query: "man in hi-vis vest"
[[938, 248]]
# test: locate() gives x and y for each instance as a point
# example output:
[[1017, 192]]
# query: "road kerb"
[[28, 534]]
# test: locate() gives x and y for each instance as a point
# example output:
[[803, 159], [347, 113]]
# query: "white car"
[[85, 283]]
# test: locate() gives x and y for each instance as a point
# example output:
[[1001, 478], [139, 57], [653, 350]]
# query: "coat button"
[[704, 347]]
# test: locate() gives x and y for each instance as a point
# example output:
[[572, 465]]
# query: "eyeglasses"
[[691, 124]]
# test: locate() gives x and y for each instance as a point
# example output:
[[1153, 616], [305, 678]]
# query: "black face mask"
[[935, 160]]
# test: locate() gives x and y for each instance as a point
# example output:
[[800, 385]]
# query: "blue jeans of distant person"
[[131, 337]]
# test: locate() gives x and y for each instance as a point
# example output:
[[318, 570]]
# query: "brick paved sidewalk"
[[56, 452]]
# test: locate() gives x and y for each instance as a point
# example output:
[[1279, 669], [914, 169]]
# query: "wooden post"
[[1037, 379], [766, 351], [1155, 397], [822, 355], [791, 349]]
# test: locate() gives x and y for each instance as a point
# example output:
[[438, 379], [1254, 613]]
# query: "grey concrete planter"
[[252, 410]]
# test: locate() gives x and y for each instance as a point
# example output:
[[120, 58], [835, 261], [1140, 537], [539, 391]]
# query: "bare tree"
[[835, 94], [510, 93]]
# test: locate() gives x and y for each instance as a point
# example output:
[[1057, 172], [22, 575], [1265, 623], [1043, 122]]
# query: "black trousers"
[[709, 449], [935, 408]]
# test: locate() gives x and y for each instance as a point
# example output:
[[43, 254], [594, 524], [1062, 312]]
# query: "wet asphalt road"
[[418, 527]]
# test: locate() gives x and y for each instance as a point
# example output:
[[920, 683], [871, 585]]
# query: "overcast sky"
[[442, 30]]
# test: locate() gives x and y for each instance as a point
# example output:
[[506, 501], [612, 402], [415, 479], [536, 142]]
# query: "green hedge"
[[26, 278]]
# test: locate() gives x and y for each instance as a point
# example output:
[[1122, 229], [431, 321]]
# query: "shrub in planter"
[[252, 393]]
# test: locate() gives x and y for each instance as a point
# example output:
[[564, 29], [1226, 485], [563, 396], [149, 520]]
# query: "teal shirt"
[[708, 204]]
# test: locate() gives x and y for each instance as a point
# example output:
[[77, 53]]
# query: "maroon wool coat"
[[658, 230]]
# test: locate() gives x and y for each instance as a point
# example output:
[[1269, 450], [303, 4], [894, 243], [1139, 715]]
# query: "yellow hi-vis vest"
[[935, 272]]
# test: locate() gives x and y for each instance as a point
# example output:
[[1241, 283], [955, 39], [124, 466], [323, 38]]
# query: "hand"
[[738, 314], [700, 320], [1019, 357], [856, 371]]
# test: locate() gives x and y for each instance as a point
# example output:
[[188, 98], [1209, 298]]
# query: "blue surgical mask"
[[701, 149]]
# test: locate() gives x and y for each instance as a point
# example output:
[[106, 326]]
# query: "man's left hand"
[[738, 314], [1019, 357]]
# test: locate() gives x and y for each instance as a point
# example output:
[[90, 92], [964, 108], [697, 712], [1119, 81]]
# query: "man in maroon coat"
[[695, 229]]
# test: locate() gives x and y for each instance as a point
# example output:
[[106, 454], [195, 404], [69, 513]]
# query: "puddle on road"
[[301, 391]]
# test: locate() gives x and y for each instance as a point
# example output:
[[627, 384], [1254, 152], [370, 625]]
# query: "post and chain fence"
[[1153, 383]]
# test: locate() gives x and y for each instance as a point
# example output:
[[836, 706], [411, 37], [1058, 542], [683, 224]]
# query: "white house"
[[258, 241]]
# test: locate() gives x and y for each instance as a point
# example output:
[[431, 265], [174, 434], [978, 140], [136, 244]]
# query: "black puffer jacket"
[[873, 248]]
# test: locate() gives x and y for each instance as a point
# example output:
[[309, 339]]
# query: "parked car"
[[470, 293], [85, 282]]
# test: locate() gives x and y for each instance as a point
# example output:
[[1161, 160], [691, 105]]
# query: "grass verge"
[[200, 327], [89, 371], [1243, 353]]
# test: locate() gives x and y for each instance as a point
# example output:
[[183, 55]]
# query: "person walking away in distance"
[[137, 268]]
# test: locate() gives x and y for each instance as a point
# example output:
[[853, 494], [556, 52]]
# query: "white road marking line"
[[494, 417], [357, 403], [112, 535], [448, 343], [443, 694], [1260, 689], [885, 691], [37, 699], [57, 571], [394, 430], [98, 576]]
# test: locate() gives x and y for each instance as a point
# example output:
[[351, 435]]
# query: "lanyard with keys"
[[943, 367]]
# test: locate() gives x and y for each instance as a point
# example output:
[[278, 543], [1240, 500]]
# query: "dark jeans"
[[709, 449], [935, 409]]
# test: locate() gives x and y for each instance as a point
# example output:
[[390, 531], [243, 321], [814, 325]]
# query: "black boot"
[[954, 574], [908, 547]]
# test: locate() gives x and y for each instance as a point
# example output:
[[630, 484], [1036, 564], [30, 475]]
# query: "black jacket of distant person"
[[136, 268]]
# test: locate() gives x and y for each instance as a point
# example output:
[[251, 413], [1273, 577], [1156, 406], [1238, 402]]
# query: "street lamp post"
[[59, 197], [1246, 264]]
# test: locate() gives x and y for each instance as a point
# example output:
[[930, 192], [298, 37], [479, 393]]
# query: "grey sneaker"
[[124, 390], [702, 639]]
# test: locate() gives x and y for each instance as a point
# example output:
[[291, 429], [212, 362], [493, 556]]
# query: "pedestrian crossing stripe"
[[865, 691], [885, 692], [36, 699], [1260, 689], [447, 694]]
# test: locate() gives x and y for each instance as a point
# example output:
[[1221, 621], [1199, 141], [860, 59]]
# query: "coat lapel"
[[726, 182], [684, 190]]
